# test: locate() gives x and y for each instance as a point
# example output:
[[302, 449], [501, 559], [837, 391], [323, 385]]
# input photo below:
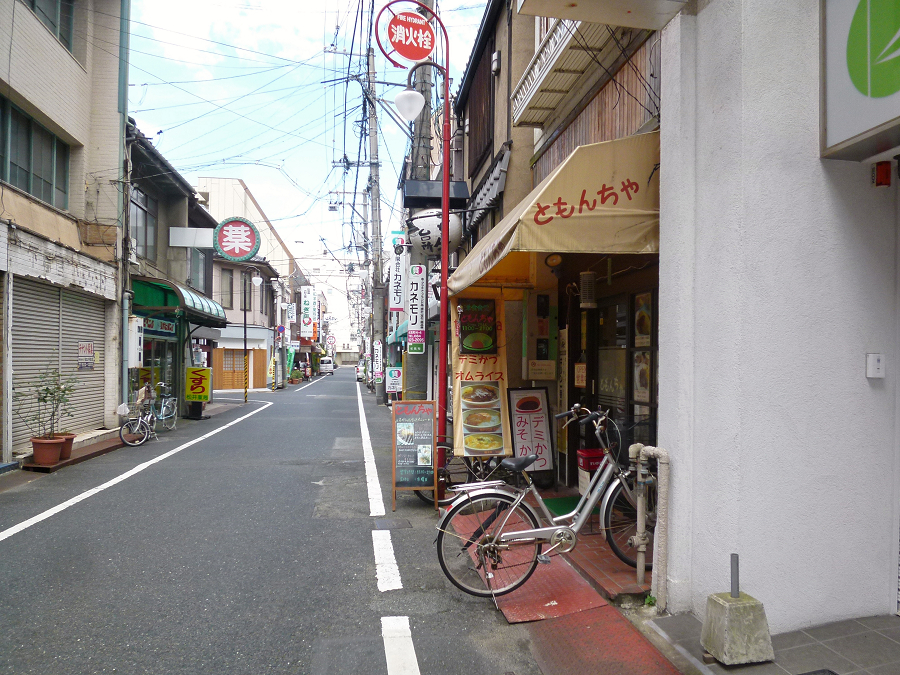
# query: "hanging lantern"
[[424, 230]]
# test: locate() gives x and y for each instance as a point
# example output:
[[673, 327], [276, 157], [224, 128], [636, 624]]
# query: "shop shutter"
[[35, 343], [84, 320], [47, 325]]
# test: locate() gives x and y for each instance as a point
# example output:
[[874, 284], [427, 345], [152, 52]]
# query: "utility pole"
[[420, 169], [377, 280]]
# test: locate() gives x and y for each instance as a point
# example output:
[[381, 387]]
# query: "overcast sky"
[[249, 89]]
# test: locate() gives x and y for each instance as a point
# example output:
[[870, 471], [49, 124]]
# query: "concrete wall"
[[778, 273]]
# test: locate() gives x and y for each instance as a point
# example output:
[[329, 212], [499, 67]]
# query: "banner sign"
[[479, 376], [414, 425], [197, 384], [378, 359], [292, 312], [159, 327], [530, 426], [417, 295], [398, 280], [306, 311], [85, 355], [394, 380]]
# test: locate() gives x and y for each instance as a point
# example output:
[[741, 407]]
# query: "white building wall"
[[778, 273]]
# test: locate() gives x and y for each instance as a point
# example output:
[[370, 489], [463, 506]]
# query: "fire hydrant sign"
[[416, 297], [411, 36], [236, 239], [197, 384]]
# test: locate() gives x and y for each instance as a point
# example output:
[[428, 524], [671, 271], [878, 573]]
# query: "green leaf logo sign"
[[873, 48]]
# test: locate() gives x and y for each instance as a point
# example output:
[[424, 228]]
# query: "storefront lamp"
[[257, 281], [409, 103]]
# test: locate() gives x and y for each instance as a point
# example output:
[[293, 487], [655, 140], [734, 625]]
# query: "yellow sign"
[[197, 384]]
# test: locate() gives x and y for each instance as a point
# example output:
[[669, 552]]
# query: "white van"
[[326, 366]]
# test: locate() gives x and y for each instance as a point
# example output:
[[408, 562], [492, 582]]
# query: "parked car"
[[326, 365], [361, 371]]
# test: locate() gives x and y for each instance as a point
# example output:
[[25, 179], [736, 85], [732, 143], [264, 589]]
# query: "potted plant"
[[42, 407], [295, 375]]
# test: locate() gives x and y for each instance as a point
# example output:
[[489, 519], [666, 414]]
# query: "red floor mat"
[[598, 641], [553, 590]]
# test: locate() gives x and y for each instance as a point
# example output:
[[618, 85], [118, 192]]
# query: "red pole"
[[445, 260]]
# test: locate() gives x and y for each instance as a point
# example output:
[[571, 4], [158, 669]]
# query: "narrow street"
[[247, 548]]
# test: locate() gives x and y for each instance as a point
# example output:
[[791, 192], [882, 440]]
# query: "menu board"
[[529, 418], [414, 427], [479, 377]]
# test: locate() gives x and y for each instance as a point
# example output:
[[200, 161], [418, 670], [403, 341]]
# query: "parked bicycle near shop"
[[142, 415], [491, 540]]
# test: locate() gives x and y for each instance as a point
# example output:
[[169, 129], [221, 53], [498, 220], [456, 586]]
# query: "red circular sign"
[[411, 36], [236, 239]]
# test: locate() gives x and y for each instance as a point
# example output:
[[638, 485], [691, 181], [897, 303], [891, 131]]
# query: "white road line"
[[310, 384], [398, 646], [24, 525], [376, 502], [386, 569]]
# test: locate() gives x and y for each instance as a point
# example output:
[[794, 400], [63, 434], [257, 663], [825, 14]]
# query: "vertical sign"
[[377, 357], [479, 376], [414, 431], [398, 275], [415, 336], [292, 312], [86, 355], [197, 384], [530, 428], [306, 309]]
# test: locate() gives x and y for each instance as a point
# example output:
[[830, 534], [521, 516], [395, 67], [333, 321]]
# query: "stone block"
[[735, 630]]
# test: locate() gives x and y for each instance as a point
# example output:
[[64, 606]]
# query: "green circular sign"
[[873, 48], [236, 239]]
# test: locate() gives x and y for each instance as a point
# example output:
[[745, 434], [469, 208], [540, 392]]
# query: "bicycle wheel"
[[168, 414], [466, 550], [454, 473], [620, 523], [134, 432]]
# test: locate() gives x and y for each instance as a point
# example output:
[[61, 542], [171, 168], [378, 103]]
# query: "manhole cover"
[[391, 523]]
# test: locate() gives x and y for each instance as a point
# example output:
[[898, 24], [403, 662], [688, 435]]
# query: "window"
[[481, 113], [57, 16], [246, 292], [144, 214], [38, 161], [197, 274], [263, 298], [226, 289]]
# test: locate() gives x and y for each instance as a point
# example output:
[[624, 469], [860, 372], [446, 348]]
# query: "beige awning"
[[604, 198]]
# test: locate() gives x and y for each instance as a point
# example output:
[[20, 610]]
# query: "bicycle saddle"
[[518, 463]]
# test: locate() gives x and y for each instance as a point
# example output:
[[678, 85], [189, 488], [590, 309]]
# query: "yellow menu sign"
[[197, 384]]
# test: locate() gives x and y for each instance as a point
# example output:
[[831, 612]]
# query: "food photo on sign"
[[479, 378]]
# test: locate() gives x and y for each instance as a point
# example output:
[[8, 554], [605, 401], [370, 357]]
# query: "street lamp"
[[409, 104], [257, 281]]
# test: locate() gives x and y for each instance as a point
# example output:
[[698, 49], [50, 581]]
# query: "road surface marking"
[[386, 569], [398, 646], [376, 503], [25, 524], [309, 385]]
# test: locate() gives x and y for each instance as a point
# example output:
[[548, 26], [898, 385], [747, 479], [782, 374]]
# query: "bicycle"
[[490, 540], [456, 471], [142, 416], [167, 413]]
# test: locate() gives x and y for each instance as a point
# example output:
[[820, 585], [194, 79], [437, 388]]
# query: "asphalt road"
[[246, 551]]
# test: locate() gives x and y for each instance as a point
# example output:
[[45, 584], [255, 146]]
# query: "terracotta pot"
[[66, 451], [46, 450]]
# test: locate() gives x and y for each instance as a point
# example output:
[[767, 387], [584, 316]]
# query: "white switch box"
[[875, 365]]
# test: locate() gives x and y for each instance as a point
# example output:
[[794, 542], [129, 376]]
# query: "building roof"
[[485, 31]]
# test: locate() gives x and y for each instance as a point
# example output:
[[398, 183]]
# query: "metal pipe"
[[735, 582], [641, 538], [659, 583]]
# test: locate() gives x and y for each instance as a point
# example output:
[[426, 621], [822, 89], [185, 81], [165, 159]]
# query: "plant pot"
[[66, 451], [46, 450]]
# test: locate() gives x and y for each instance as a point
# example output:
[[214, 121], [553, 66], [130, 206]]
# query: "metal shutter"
[[35, 342], [48, 323], [83, 320]]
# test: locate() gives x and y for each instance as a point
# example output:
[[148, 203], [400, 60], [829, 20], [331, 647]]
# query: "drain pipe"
[[640, 454]]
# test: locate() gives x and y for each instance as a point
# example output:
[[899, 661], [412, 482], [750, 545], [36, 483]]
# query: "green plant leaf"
[[873, 48]]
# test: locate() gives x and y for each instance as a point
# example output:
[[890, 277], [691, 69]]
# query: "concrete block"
[[735, 630]]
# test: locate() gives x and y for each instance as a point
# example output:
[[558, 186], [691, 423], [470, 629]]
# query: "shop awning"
[[399, 334], [161, 295], [604, 198]]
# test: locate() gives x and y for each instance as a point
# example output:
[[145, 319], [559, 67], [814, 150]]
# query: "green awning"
[[163, 295], [398, 334]]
